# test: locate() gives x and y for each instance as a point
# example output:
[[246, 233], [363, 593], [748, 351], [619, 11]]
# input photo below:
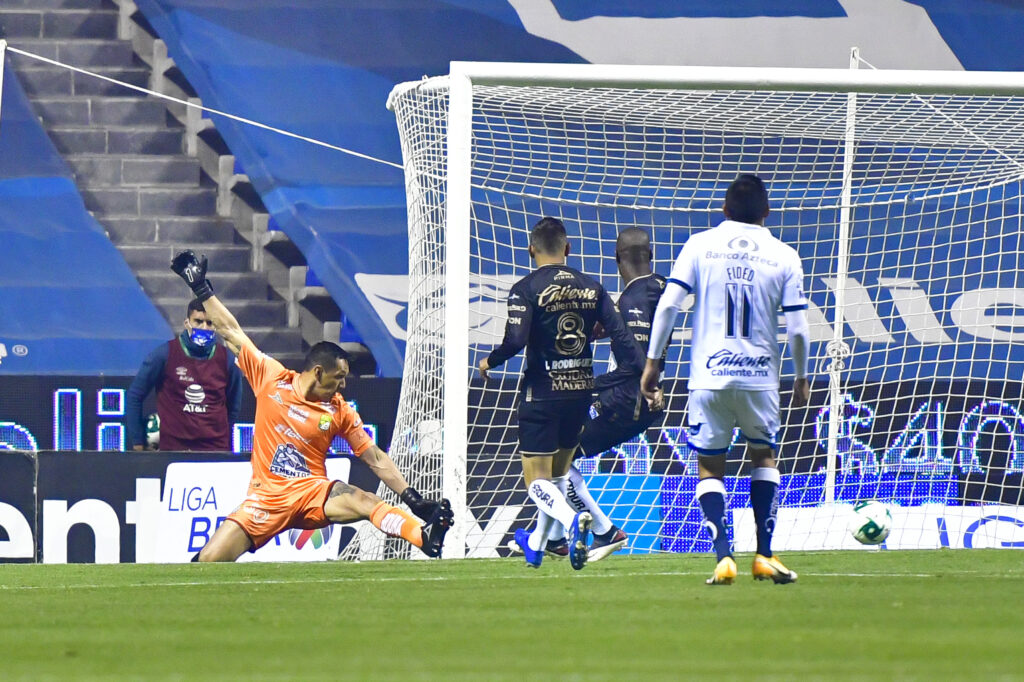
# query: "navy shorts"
[[547, 426], [608, 428]]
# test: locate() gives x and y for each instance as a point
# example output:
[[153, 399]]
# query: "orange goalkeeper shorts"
[[266, 510]]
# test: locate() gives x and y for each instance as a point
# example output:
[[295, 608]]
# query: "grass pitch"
[[885, 615]]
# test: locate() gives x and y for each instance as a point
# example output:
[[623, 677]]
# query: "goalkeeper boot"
[[533, 556], [725, 572], [579, 535], [607, 543], [769, 567], [435, 529]]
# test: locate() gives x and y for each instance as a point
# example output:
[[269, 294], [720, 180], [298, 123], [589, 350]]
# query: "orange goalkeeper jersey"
[[292, 434]]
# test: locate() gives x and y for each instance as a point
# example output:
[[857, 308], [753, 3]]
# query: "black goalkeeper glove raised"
[[193, 271], [425, 509]]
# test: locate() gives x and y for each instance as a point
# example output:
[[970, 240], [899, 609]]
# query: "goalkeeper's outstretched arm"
[[193, 271], [226, 325]]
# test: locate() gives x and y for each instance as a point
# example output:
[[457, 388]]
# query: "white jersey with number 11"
[[741, 277]]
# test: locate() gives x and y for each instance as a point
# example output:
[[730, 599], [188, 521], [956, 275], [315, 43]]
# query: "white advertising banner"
[[928, 526], [198, 496]]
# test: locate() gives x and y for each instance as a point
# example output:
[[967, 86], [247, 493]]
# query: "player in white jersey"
[[741, 277]]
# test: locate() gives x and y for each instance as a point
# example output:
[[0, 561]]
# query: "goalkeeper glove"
[[193, 271], [425, 509]]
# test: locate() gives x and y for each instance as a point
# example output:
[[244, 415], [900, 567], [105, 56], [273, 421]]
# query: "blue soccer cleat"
[[579, 538], [533, 557]]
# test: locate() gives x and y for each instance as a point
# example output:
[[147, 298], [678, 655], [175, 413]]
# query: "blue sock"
[[711, 495], [764, 484]]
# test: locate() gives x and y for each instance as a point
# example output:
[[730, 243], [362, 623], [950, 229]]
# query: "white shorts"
[[713, 414]]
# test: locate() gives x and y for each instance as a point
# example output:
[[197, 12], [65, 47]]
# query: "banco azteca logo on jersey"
[[289, 462], [195, 395], [742, 243]]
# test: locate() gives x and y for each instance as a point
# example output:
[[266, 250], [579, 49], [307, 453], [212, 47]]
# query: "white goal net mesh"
[[926, 404]]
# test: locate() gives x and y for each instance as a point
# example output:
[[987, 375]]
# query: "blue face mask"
[[202, 337]]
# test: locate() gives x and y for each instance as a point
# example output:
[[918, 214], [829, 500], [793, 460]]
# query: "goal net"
[[901, 191]]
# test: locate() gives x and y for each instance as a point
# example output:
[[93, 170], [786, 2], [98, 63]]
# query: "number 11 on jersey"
[[738, 300]]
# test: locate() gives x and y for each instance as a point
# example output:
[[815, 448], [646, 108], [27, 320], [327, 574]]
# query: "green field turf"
[[939, 615]]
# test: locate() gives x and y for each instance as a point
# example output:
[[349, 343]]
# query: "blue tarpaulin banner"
[[69, 304]]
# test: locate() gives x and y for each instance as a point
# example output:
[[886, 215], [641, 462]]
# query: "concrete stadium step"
[[227, 285], [110, 140], [281, 343], [95, 171], [195, 231], [147, 201], [58, 23], [71, 111], [249, 312], [56, 80], [223, 257], [84, 54]]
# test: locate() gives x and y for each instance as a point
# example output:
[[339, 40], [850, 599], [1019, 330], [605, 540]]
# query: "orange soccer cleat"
[[769, 567], [725, 572]]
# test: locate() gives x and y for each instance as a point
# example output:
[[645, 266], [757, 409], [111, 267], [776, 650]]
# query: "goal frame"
[[462, 78]]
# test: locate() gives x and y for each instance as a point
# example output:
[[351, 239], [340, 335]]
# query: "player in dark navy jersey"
[[621, 412], [552, 312]]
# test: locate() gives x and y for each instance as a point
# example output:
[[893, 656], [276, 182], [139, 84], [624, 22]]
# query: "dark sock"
[[713, 505], [762, 499], [195, 558]]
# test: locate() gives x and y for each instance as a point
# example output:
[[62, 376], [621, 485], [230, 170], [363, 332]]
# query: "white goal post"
[[900, 189]]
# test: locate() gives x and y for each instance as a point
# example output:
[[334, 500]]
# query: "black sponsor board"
[[37, 411], [17, 495]]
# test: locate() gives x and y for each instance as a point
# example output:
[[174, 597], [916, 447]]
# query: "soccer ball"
[[153, 430], [870, 522]]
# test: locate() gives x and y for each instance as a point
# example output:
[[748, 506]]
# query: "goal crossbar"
[[742, 78]]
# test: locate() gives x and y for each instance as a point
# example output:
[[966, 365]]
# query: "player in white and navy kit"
[[741, 277]]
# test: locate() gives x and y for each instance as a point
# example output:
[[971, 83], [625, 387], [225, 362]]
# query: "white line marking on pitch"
[[441, 578]]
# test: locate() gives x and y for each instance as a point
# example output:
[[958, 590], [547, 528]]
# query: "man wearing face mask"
[[198, 389]]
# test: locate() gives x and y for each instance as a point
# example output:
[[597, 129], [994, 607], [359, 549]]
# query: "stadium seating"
[[156, 182], [69, 304]]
